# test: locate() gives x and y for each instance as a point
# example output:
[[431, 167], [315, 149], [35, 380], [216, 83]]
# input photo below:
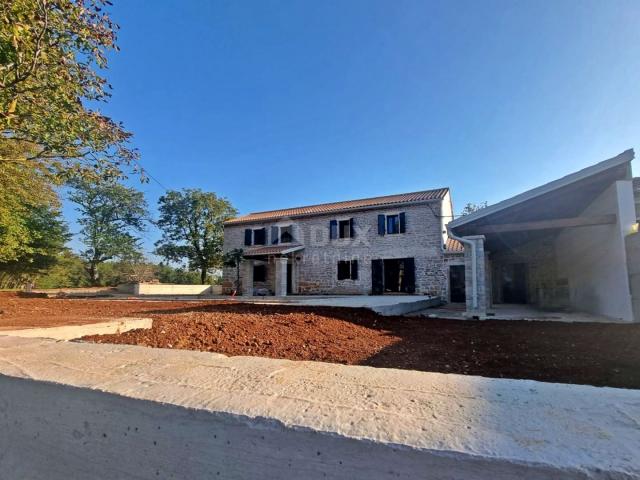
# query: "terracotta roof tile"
[[325, 208], [272, 250], [454, 245]]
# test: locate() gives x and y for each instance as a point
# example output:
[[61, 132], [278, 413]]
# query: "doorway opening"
[[457, 289], [289, 278], [396, 275], [513, 283]]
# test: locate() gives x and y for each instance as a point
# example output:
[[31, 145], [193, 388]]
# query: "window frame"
[[350, 273], [253, 236], [346, 226], [395, 216], [290, 233]]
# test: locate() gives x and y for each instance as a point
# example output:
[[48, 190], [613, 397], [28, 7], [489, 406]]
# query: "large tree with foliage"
[[52, 53], [24, 189], [111, 216], [192, 228], [46, 237]]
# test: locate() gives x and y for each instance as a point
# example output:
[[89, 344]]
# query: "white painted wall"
[[96, 411], [174, 289], [594, 258]]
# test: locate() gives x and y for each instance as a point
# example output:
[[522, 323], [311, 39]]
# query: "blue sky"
[[283, 103]]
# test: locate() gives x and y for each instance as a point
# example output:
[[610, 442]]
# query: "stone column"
[[247, 278], [281, 277], [477, 299]]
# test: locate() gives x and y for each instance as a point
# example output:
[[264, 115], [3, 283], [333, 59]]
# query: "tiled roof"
[[272, 250], [454, 245], [388, 200]]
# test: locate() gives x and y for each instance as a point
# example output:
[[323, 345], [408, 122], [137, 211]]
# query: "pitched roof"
[[388, 200], [620, 159], [453, 246], [272, 250]]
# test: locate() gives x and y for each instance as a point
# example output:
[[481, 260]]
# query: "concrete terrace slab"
[[75, 410], [382, 304], [70, 332], [515, 312]]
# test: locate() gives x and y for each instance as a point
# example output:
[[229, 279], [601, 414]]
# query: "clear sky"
[[275, 104]]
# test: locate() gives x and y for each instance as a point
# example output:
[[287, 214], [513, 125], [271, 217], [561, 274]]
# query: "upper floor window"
[[341, 229], [286, 234], [281, 234], [392, 224], [257, 236]]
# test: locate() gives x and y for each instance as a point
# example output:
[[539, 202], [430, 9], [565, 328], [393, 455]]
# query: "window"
[[260, 236], [344, 228], [286, 234], [255, 237], [259, 273], [341, 229], [393, 224], [347, 269]]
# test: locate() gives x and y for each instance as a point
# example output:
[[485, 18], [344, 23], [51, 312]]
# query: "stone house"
[[560, 246], [382, 245]]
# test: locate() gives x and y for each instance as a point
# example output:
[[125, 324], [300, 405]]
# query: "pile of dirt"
[[586, 353]]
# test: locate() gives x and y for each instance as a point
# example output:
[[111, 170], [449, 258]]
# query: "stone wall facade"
[[315, 267]]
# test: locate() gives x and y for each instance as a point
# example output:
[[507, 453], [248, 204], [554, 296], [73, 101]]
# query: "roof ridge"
[[341, 201]]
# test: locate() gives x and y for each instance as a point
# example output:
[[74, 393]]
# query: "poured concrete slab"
[[382, 304], [514, 312], [70, 332], [75, 410]]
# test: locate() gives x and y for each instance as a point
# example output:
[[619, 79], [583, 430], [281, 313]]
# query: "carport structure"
[[557, 247]]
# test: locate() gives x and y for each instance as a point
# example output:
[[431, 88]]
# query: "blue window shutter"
[[352, 230], [333, 229], [381, 222], [247, 236], [403, 222], [274, 235]]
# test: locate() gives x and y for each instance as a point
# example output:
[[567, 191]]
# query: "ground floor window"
[[259, 273], [347, 269]]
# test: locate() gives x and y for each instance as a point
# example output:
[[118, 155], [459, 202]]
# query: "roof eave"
[[345, 210], [624, 157]]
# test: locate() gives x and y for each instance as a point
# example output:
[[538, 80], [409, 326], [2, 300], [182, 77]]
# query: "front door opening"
[[513, 283], [289, 279], [391, 276], [457, 292]]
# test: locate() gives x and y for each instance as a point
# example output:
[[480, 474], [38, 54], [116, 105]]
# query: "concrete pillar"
[[281, 277], [247, 278], [476, 277]]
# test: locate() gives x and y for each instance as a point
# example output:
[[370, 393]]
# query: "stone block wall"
[[317, 264]]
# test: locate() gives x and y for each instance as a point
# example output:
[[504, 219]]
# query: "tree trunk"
[[93, 274], [203, 275]]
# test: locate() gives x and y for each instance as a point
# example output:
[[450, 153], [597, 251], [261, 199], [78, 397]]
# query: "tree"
[[233, 258], [192, 228], [23, 188], [111, 216], [47, 235], [68, 272], [51, 52], [472, 207]]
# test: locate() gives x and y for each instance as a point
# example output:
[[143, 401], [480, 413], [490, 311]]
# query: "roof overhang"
[[562, 199], [274, 250]]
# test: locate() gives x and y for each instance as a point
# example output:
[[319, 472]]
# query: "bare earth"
[[596, 354]]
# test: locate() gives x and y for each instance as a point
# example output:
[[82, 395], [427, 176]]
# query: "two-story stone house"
[[382, 245]]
